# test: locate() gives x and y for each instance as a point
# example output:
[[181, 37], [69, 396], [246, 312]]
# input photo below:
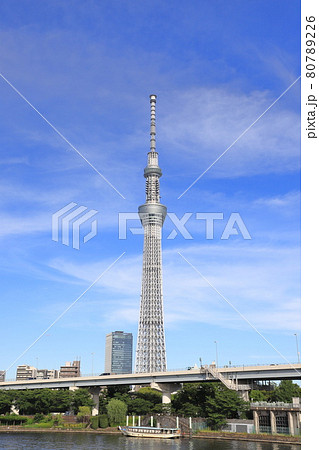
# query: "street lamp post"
[[216, 354], [92, 363], [298, 354]]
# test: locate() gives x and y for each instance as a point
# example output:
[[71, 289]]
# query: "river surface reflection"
[[85, 441]]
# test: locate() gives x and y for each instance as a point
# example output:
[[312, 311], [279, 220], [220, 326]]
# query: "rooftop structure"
[[70, 370]]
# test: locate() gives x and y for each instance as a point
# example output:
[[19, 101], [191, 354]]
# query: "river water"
[[67, 441]]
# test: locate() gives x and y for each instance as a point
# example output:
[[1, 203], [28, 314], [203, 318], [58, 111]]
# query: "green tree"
[[43, 401], [38, 417], [61, 400], [112, 391], [103, 421], [84, 414], [224, 404], [5, 402], [58, 420], [32, 401], [149, 394], [259, 396], [210, 400], [190, 410], [139, 406], [116, 411], [81, 397], [145, 401], [285, 391], [103, 401], [95, 422], [118, 392]]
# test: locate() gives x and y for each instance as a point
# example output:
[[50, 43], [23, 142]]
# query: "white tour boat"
[[151, 432]]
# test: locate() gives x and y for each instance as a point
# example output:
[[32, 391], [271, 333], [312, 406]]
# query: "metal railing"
[[275, 405]]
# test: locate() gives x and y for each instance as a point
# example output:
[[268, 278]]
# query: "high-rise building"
[[2, 375], [118, 352], [150, 351], [70, 370]]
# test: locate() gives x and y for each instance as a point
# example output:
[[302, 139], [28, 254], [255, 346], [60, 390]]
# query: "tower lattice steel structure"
[[151, 352]]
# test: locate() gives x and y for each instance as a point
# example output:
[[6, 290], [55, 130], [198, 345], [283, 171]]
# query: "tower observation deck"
[[150, 351]]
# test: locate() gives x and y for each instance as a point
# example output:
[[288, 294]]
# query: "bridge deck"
[[245, 374]]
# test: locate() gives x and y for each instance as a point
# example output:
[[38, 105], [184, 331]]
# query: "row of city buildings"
[[118, 359], [25, 372]]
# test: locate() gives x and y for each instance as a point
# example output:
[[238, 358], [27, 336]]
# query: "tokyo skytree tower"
[[150, 351]]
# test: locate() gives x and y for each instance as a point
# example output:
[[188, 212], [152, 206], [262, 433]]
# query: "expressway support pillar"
[[167, 390], [256, 421], [291, 423], [244, 394], [95, 393], [273, 422]]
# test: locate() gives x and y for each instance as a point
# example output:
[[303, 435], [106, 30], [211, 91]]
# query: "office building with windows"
[[70, 370], [25, 372], [118, 352]]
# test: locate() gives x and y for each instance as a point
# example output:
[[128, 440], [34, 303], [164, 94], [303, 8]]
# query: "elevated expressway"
[[240, 379]]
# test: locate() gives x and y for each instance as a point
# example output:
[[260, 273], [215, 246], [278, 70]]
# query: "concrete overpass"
[[240, 379], [244, 374]]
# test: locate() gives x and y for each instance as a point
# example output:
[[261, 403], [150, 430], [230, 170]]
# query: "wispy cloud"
[[288, 200], [206, 121], [257, 280]]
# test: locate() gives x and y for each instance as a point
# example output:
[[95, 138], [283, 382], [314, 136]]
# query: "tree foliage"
[[5, 402], [256, 395], [103, 421], [139, 406], [210, 400], [116, 411], [84, 414], [45, 401], [94, 422], [81, 397], [144, 401], [285, 391], [13, 419]]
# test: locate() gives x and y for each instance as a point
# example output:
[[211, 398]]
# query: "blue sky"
[[89, 68]]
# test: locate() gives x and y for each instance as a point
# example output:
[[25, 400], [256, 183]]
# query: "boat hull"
[[149, 432]]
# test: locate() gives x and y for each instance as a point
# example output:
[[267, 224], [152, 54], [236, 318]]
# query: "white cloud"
[[261, 282], [205, 122], [288, 200]]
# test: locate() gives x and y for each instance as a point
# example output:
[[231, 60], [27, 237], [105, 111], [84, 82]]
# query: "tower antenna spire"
[[150, 350], [153, 123]]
